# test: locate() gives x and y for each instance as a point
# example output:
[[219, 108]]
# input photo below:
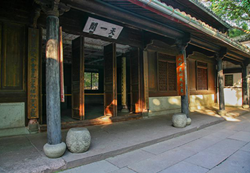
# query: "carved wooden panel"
[[162, 75], [12, 61], [172, 76]]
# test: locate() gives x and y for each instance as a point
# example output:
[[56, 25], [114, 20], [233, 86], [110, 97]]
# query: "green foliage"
[[236, 12], [236, 32]]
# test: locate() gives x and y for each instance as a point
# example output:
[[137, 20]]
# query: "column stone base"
[[245, 106], [54, 151], [33, 126], [124, 108], [222, 112]]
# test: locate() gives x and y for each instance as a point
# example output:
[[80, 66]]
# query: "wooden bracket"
[[221, 54], [182, 44], [53, 7]]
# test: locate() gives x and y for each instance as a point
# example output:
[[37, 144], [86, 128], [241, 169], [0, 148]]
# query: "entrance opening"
[[89, 59]]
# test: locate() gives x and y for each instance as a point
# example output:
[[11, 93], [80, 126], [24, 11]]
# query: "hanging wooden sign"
[[33, 72], [180, 71], [105, 29]]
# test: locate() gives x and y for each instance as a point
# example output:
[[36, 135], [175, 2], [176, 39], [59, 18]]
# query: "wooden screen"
[[110, 80], [78, 111]]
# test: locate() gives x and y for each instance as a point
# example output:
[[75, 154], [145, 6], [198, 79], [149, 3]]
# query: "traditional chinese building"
[[109, 61]]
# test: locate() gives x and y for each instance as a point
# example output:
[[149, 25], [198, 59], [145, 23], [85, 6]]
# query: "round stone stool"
[[78, 140], [189, 121], [179, 120]]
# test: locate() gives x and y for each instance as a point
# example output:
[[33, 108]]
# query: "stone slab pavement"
[[220, 148], [145, 145]]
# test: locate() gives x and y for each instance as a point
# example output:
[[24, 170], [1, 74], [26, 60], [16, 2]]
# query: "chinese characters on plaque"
[[33, 69], [99, 27], [180, 70]]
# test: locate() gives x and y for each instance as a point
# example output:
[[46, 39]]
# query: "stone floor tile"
[[123, 170], [225, 147], [185, 167], [201, 144], [161, 162], [175, 142], [237, 163], [246, 147], [96, 167], [242, 136], [129, 158], [206, 159]]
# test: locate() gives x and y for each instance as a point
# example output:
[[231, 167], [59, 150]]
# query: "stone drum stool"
[[179, 120], [78, 140]]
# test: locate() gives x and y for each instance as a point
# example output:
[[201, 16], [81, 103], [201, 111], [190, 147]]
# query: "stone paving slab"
[[242, 136], [123, 170], [128, 158], [216, 154], [97, 167], [246, 147], [161, 161], [186, 167], [206, 159], [112, 140], [164, 146], [237, 163]]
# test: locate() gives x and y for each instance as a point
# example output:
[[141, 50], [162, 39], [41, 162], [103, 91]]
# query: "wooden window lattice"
[[202, 78]]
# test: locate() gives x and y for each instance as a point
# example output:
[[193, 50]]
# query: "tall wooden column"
[[54, 148], [245, 90], [52, 81], [124, 86], [182, 65], [184, 98], [221, 87]]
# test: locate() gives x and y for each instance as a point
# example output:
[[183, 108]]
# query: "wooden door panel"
[[110, 82], [135, 84], [78, 111], [13, 56]]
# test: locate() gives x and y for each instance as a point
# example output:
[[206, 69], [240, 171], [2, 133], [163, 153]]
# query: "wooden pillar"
[[181, 61], [245, 90], [184, 98], [52, 81], [221, 86], [124, 86]]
